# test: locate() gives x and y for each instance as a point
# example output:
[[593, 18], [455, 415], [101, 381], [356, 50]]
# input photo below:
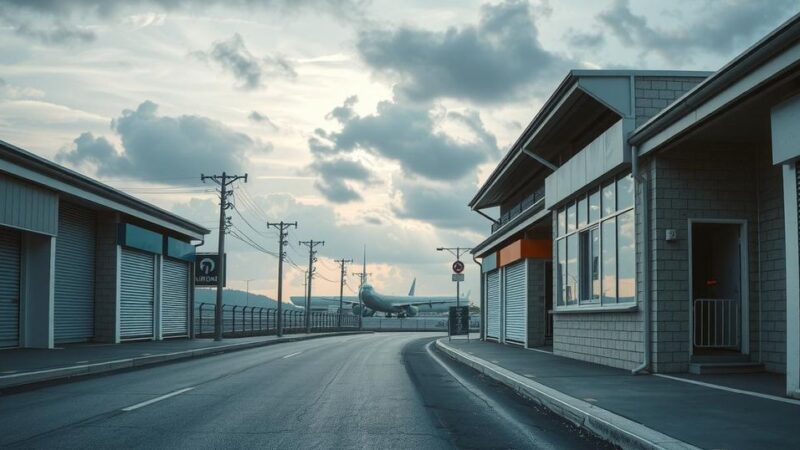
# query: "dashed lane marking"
[[291, 354], [157, 399]]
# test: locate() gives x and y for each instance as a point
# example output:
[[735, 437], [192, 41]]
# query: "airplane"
[[372, 302]]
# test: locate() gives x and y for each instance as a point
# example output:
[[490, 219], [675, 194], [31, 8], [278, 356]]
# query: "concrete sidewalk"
[[20, 367], [642, 411]]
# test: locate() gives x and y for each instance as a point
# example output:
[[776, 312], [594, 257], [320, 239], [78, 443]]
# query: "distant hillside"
[[237, 297]]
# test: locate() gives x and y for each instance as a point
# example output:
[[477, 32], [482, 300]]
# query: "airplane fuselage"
[[405, 305]]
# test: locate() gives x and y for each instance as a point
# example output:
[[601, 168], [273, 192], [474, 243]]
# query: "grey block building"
[[671, 203], [83, 262]]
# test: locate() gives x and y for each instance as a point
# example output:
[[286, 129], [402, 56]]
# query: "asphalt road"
[[388, 390]]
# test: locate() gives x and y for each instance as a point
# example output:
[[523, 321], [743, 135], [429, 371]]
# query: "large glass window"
[[596, 247], [572, 270], [561, 272], [626, 257], [609, 261]]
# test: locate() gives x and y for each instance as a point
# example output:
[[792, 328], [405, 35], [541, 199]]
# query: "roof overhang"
[[582, 97], [765, 61], [508, 231], [23, 164]]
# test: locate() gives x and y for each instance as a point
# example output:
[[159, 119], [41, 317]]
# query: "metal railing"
[[716, 323], [256, 320], [534, 201], [413, 324]]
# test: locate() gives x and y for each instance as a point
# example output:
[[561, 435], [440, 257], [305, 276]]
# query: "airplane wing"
[[423, 302]]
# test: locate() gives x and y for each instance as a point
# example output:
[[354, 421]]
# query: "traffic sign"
[[458, 277], [206, 269], [458, 267], [459, 321]]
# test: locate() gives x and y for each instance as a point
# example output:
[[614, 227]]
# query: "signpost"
[[458, 323], [206, 269]]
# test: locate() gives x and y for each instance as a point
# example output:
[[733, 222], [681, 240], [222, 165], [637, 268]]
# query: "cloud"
[[584, 40], [57, 33], [162, 147], [233, 56], [717, 27], [257, 117], [411, 135], [10, 91], [443, 205], [333, 176], [487, 62]]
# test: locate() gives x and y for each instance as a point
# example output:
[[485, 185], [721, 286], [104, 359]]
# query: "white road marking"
[[729, 389], [524, 429], [157, 399], [81, 362], [291, 354]]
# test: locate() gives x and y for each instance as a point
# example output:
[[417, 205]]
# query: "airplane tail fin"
[[413, 288], [466, 296]]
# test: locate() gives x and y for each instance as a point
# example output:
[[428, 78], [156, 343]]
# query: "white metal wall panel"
[[137, 294], [516, 303], [27, 206], [9, 287], [493, 304], [175, 298], [74, 275]]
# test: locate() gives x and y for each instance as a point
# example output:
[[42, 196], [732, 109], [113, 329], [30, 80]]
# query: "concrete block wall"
[[652, 94], [707, 182], [106, 299], [537, 313], [769, 323]]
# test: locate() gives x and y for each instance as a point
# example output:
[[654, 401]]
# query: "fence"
[[716, 323], [412, 324], [255, 320]]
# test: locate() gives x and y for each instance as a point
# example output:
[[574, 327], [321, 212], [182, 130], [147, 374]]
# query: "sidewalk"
[[642, 411], [26, 365]]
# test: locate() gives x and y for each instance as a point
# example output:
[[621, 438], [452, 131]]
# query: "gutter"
[[645, 214], [481, 303]]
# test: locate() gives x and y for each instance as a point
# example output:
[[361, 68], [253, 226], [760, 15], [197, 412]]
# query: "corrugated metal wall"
[[516, 297], [175, 298], [137, 294], [493, 304], [75, 274], [27, 206], [9, 287]]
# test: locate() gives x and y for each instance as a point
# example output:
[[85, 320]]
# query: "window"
[[596, 247], [590, 266], [594, 206]]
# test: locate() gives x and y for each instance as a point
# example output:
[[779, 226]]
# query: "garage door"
[[493, 304], [9, 287], [515, 300], [137, 294], [74, 277], [175, 298]]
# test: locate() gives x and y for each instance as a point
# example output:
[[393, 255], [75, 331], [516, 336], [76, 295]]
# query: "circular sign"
[[458, 267]]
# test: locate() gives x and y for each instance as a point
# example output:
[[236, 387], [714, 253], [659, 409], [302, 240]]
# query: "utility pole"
[[342, 262], [247, 291], [223, 181], [283, 233], [457, 252], [363, 279], [311, 260]]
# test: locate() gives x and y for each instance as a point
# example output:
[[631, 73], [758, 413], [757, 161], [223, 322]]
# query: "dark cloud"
[[584, 40], [57, 33], [257, 117], [409, 134], [441, 205], [334, 174], [233, 56], [718, 27], [161, 147], [488, 62]]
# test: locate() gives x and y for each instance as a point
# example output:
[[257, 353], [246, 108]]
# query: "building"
[[673, 224], [83, 262]]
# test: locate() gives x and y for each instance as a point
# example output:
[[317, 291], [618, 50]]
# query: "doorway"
[[718, 287]]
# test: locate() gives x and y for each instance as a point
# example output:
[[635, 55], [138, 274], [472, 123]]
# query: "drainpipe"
[[645, 215], [482, 302]]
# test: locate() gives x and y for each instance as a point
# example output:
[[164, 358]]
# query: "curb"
[[65, 373], [610, 426]]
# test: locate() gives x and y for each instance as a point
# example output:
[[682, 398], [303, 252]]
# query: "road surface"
[[386, 390]]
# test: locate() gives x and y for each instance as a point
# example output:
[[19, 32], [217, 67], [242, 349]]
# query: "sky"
[[367, 122]]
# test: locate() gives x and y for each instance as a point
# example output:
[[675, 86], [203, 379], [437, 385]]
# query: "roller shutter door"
[[515, 301], [175, 298], [74, 275], [137, 294], [493, 304], [9, 287]]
